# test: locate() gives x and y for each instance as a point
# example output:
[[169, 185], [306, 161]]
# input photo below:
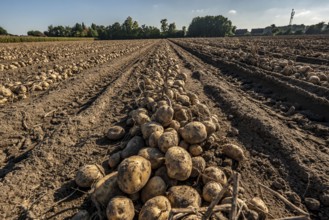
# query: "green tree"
[[35, 33], [172, 29], [3, 31], [275, 29], [164, 26]]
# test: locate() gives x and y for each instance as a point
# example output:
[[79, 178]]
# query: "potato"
[[150, 127], [178, 163], [175, 125], [214, 174], [233, 151], [5, 92], [157, 208], [198, 166], [156, 186], [210, 127], [115, 133], [211, 190], [194, 132], [168, 139], [105, 189], [183, 99], [134, 145], [162, 172], [154, 155], [135, 131], [228, 200], [258, 205], [181, 114], [164, 115], [114, 159], [133, 174], [154, 137], [141, 118], [120, 208], [183, 197], [195, 150], [88, 175]]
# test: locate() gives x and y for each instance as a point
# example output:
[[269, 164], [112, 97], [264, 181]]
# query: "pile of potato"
[[161, 167]]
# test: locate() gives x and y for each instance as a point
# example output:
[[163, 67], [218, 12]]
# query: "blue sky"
[[19, 16]]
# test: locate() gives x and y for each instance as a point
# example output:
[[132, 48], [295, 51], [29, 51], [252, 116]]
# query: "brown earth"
[[48, 136]]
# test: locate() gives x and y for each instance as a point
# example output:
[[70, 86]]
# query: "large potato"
[[154, 187], [154, 155], [198, 166], [211, 190], [183, 197], [105, 189], [167, 140], [89, 174], [164, 115], [157, 208], [133, 174], [214, 174], [179, 163], [120, 208], [233, 151], [134, 145], [194, 132], [150, 127]]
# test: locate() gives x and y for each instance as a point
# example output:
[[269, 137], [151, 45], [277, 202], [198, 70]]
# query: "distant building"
[[241, 32], [257, 31]]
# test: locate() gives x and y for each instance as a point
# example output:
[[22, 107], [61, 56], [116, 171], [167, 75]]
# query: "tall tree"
[[164, 26], [3, 31]]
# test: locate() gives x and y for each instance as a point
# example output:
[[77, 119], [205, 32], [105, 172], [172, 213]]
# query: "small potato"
[[175, 125], [134, 145], [198, 166], [211, 190], [258, 205], [157, 208], [133, 174], [164, 115], [120, 208], [233, 151], [154, 137], [210, 127], [181, 114], [115, 133], [141, 118], [183, 99], [88, 175], [114, 159], [194, 132], [183, 197], [154, 187], [150, 127], [214, 174], [154, 155], [105, 189], [162, 172], [228, 200], [167, 140], [178, 163], [195, 150]]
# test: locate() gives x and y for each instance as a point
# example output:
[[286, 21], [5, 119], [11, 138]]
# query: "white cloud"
[[232, 12], [198, 11]]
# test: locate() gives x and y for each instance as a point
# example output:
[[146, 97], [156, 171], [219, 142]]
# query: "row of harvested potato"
[[43, 80], [155, 169]]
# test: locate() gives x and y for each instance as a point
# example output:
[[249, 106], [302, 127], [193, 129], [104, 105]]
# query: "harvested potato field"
[[194, 128]]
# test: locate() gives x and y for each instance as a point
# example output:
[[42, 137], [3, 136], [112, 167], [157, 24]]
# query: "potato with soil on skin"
[[133, 147], [133, 174], [213, 173], [115, 133], [211, 190], [183, 197], [164, 115], [174, 124], [233, 151], [120, 208], [210, 127], [179, 163], [195, 150], [154, 155], [167, 140], [89, 174], [156, 186], [194, 132], [154, 138], [162, 172], [157, 208], [258, 205], [198, 166], [105, 189], [150, 127]]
